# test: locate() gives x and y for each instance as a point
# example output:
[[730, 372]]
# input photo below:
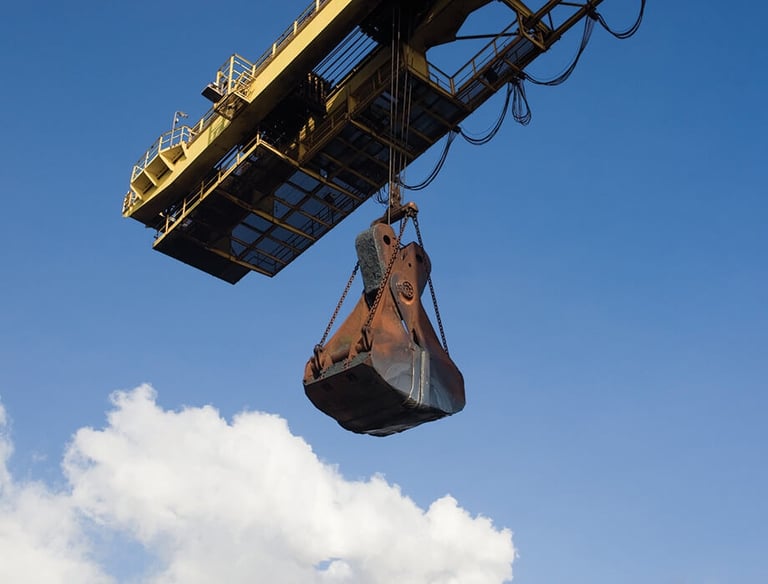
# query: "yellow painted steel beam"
[[534, 30], [332, 22], [178, 175], [443, 21], [583, 10]]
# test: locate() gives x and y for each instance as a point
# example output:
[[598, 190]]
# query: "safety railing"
[[231, 161], [202, 124], [441, 78], [234, 76], [289, 33], [490, 51], [167, 140], [326, 128], [131, 197]]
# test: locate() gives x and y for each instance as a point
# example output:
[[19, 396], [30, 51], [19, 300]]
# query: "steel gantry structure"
[[300, 137], [331, 115]]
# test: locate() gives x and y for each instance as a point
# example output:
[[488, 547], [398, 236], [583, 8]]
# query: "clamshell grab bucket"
[[387, 372]]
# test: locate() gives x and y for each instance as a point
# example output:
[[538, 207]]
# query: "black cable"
[[496, 127], [589, 25], [436, 170], [521, 110], [630, 31]]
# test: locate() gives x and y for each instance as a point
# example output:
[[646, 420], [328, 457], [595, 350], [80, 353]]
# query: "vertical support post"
[[231, 73]]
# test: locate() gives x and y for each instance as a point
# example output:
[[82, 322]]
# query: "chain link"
[[432, 290], [338, 306], [385, 282], [385, 278]]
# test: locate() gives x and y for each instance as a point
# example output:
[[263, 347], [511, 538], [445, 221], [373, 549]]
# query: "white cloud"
[[41, 537], [245, 501], [6, 449]]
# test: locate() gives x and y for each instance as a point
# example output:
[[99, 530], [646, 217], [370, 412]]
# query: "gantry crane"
[[329, 116]]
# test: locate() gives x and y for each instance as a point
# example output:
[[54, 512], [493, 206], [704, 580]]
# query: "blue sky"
[[601, 275]]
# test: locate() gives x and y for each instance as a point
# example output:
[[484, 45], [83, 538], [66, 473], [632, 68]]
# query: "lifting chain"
[[410, 214], [385, 277], [432, 290], [379, 292], [338, 306]]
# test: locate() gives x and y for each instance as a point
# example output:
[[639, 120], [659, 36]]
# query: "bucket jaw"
[[385, 372]]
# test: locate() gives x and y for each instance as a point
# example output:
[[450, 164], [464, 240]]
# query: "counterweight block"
[[393, 374]]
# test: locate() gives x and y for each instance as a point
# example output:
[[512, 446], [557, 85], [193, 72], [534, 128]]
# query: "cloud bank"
[[240, 501]]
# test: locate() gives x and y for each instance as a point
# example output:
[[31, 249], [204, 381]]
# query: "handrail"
[[169, 139], [441, 78], [233, 159], [483, 56], [288, 33], [234, 75]]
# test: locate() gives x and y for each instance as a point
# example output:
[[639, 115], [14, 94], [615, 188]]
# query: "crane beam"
[[298, 139]]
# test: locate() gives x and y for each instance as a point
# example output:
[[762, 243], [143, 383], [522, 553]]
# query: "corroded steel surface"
[[393, 374]]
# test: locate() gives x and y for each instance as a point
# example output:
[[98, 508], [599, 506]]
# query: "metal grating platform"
[[258, 215]]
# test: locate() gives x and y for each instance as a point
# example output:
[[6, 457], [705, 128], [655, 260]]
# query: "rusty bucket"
[[384, 370]]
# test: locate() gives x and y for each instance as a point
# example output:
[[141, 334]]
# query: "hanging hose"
[[589, 25], [436, 170], [630, 31], [521, 111], [496, 127]]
